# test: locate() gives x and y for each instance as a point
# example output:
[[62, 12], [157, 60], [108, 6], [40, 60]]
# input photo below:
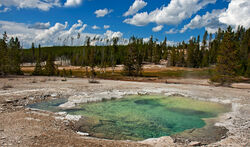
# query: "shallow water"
[[141, 117]]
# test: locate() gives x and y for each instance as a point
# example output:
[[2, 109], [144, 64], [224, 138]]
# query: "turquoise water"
[[141, 117]]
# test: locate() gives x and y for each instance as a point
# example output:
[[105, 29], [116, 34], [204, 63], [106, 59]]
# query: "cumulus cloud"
[[54, 35], [238, 13], [57, 34], [172, 31], [110, 34], [51, 32], [40, 25], [157, 28], [137, 5], [43, 5], [174, 13], [95, 27], [106, 26], [72, 3], [102, 12], [83, 28], [210, 21]]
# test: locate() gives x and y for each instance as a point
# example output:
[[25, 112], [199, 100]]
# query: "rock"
[[19, 107], [31, 98], [10, 101], [194, 143], [54, 94], [159, 142], [83, 134], [62, 113], [73, 117]]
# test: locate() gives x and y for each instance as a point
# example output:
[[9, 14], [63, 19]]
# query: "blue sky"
[[43, 21]]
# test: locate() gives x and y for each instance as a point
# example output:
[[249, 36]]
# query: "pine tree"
[[33, 51], [190, 54], [14, 59], [226, 67], [50, 68], [173, 57], [38, 68], [130, 59], [114, 53], [93, 63], [247, 73], [164, 49], [150, 49], [86, 56], [3, 55], [133, 58]]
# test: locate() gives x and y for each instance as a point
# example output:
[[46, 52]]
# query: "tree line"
[[228, 49], [10, 56]]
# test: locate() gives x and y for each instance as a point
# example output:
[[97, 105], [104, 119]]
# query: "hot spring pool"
[[140, 117]]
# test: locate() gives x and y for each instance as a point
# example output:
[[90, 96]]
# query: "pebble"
[[54, 95], [83, 134], [194, 143], [31, 98]]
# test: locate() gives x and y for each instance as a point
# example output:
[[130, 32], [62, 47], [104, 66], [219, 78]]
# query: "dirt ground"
[[21, 126]]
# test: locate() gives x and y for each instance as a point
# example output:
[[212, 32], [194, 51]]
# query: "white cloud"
[[95, 27], [210, 21], [102, 12], [110, 34], [54, 35], [40, 25], [172, 31], [174, 13], [5, 10], [83, 28], [43, 5], [157, 28], [137, 5], [51, 32], [106, 26], [238, 13], [145, 40], [72, 3]]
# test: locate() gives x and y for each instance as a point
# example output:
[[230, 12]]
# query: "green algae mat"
[[140, 117]]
